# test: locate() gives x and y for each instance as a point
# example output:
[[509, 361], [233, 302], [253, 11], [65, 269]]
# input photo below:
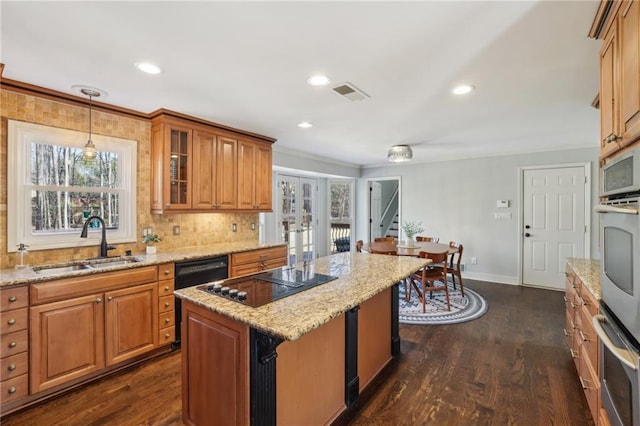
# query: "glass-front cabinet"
[[178, 167]]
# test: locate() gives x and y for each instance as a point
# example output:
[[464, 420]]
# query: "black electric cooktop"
[[265, 287]]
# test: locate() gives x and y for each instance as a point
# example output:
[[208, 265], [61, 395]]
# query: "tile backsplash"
[[197, 229]]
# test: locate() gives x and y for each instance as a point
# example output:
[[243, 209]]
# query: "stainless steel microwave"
[[621, 176]]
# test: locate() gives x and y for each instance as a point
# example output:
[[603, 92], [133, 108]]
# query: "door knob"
[[527, 234]]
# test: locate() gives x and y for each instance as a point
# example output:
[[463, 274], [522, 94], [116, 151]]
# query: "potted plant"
[[150, 240], [411, 229]]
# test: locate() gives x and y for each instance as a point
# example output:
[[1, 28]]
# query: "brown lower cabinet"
[[583, 342], [250, 262], [232, 373]]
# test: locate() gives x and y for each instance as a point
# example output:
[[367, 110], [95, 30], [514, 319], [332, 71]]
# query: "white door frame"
[[587, 209], [374, 179]]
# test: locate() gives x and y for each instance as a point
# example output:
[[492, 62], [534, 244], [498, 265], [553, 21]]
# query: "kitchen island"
[[303, 359]]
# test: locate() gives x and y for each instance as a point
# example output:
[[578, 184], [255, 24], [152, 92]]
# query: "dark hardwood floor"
[[509, 367]]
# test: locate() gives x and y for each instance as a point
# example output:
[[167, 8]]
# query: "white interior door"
[[553, 223], [375, 205], [297, 216]]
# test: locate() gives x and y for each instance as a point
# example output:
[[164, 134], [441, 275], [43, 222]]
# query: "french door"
[[297, 218]]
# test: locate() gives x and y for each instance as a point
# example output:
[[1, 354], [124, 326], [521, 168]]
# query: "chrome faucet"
[[104, 248]]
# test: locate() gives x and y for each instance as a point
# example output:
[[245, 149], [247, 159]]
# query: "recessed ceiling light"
[[147, 67], [305, 125], [463, 89], [318, 80]]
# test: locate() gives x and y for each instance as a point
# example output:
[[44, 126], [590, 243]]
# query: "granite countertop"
[[588, 270], [361, 276], [10, 277]]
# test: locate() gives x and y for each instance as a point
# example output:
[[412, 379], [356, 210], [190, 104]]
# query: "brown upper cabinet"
[[618, 24], [197, 166]]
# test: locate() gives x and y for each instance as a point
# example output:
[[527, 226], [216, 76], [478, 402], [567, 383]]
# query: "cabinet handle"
[[11, 321], [166, 304], [12, 389], [167, 320], [98, 300], [166, 272], [12, 299], [612, 138], [166, 288], [565, 299], [566, 333], [573, 354], [110, 298], [11, 367], [167, 335], [12, 344], [583, 337]]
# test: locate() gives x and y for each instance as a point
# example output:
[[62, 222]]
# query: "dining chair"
[[387, 238], [387, 252], [429, 276], [427, 239], [359, 245], [454, 267]]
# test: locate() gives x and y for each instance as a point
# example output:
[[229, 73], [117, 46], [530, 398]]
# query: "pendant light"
[[90, 152], [400, 153]]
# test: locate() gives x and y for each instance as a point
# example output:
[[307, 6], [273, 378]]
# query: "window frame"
[[20, 136]]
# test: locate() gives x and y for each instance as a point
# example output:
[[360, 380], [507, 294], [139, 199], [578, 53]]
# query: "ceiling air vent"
[[350, 92]]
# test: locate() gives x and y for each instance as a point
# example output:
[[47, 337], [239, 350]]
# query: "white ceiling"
[[245, 65]]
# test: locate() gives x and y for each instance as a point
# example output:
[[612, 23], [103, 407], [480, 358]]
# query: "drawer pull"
[[583, 337], [12, 344], [566, 333], [565, 299], [12, 389], [573, 354], [11, 321], [167, 335], [11, 367], [166, 272], [166, 288], [167, 320], [12, 299], [166, 304]]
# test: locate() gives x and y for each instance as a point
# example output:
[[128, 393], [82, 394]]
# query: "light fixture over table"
[[400, 153], [90, 152]]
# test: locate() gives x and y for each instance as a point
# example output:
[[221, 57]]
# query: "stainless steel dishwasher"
[[196, 272]]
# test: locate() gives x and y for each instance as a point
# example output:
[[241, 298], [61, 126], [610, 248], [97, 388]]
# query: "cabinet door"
[[177, 180], [131, 322], [263, 190], [247, 152], [254, 176], [226, 175], [67, 341], [204, 174], [609, 94], [629, 36]]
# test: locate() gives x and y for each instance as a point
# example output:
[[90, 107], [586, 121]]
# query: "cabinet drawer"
[[590, 384], [14, 343], [167, 319], [15, 320], [166, 335], [14, 298], [165, 304], [258, 255], [589, 338], [166, 271], [165, 287], [14, 366], [569, 329], [14, 388]]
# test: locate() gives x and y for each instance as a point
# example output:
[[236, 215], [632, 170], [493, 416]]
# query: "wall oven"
[[618, 326]]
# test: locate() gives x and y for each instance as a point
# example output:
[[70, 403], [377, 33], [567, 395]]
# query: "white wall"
[[456, 200]]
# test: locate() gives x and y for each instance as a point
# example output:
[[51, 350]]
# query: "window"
[[341, 215], [52, 189]]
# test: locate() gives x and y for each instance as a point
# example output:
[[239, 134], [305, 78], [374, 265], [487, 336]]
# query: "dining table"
[[404, 248]]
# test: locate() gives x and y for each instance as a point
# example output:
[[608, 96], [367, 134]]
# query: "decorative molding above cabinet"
[[197, 166]]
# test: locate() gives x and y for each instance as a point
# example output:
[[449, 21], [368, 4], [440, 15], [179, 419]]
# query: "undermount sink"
[[80, 265]]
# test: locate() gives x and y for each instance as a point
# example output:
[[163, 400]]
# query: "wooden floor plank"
[[509, 367]]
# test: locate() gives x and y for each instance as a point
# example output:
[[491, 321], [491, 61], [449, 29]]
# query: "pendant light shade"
[[90, 152], [400, 153]]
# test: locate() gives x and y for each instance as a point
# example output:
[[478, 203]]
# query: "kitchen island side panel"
[[215, 368], [310, 376], [374, 337]]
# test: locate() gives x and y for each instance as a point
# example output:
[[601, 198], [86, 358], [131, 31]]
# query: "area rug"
[[466, 308]]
